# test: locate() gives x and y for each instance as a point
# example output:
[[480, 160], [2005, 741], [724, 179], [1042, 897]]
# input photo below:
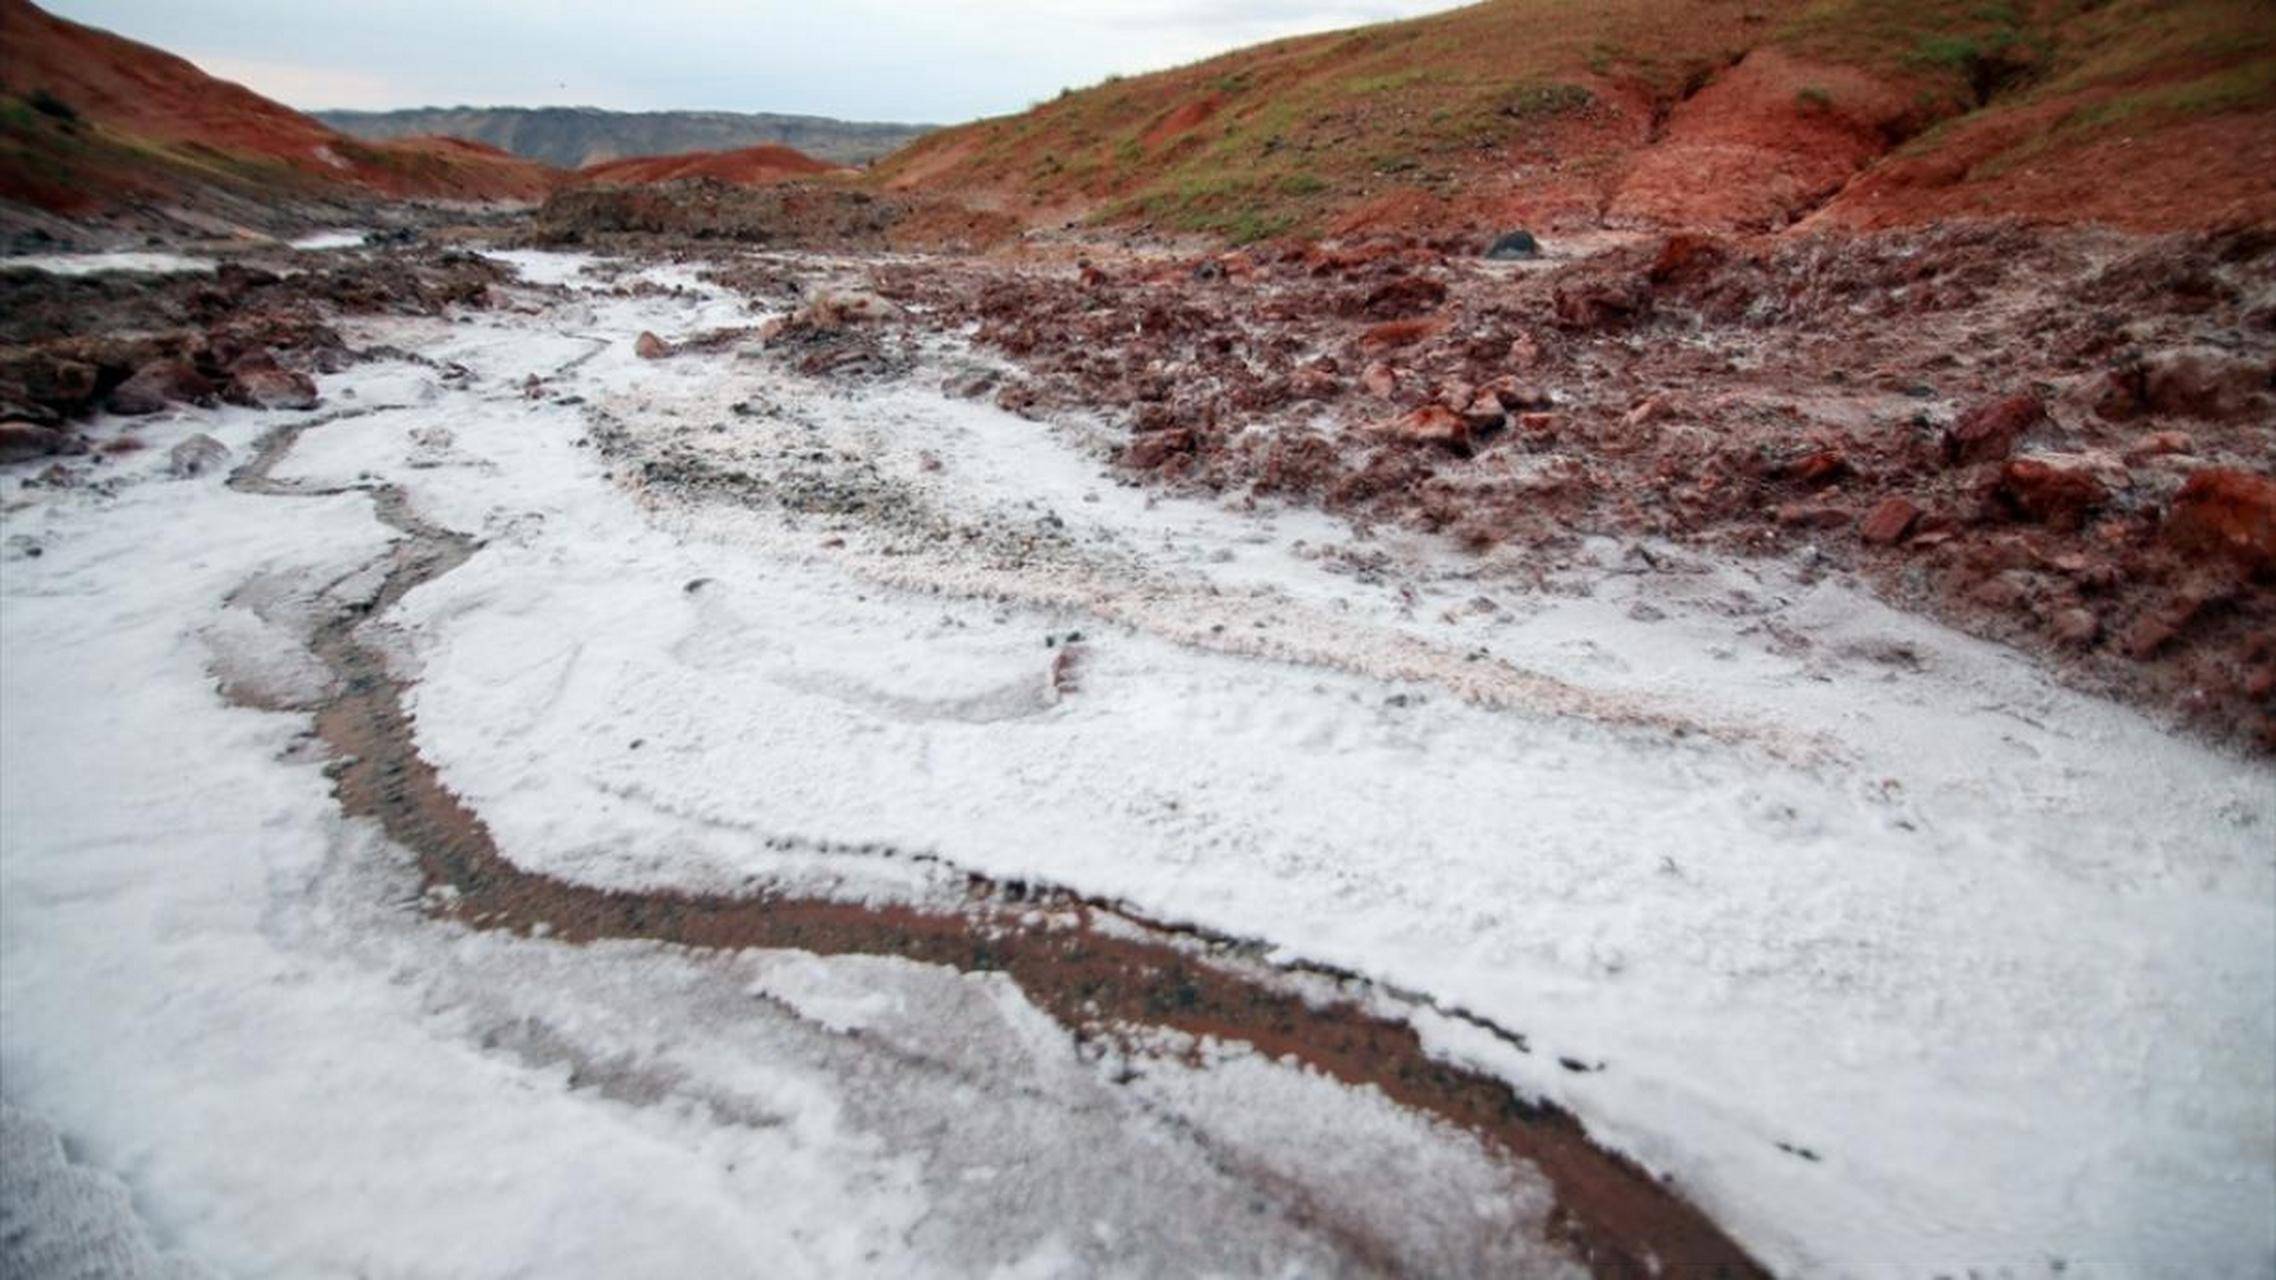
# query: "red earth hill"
[[746, 167], [89, 119], [1740, 114]]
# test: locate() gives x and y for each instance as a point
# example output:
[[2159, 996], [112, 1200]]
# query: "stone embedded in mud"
[[650, 347], [833, 311], [1433, 424], [53, 384], [2201, 382], [2075, 626], [1889, 521], [158, 384], [2160, 444], [22, 441], [1314, 383], [257, 380], [1391, 335], [2044, 493], [1153, 448], [1649, 409], [1812, 515], [1989, 432], [1599, 303], [2227, 512], [1520, 397], [1514, 246], [196, 455], [1817, 469], [1686, 255], [1485, 413], [1403, 298]]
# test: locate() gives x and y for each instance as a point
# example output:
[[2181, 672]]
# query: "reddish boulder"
[[1599, 304], [259, 381], [1687, 255], [2041, 492], [158, 384], [1989, 431], [650, 347], [1152, 449], [1889, 521], [2227, 512], [2200, 382], [1815, 470], [1433, 424], [21, 441]]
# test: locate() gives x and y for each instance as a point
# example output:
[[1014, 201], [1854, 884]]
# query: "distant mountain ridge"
[[574, 137]]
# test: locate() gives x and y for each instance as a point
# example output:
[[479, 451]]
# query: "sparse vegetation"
[[1296, 131]]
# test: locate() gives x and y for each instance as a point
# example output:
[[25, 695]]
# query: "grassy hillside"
[[1542, 108]]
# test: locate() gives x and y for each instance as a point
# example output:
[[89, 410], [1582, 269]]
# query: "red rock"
[[1392, 335], [1540, 426], [2160, 444], [1484, 412], [1380, 380], [1808, 515], [2075, 626], [1889, 521], [2047, 494], [1598, 304], [1686, 255], [2228, 512], [1433, 424], [20, 441], [2201, 382], [257, 380], [1151, 450], [1819, 469], [1649, 409], [158, 384], [2148, 634], [1989, 431], [1403, 297], [1313, 383], [1519, 397], [2000, 591], [650, 347]]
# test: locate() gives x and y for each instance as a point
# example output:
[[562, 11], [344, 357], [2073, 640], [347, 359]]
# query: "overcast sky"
[[929, 60]]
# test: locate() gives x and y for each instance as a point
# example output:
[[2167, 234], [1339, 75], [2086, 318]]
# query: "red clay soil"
[[158, 112], [2219, 171], [747, 167], [1770, 136]]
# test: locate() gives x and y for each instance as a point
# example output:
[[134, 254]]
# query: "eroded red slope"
[[95, 114]]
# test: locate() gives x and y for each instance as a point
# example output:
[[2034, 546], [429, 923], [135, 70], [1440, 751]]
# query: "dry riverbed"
[[553, 808]]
